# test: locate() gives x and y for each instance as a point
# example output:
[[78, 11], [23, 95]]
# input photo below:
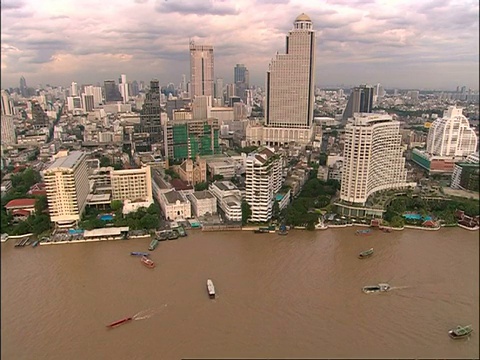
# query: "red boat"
[[119, 322], [147, 262]]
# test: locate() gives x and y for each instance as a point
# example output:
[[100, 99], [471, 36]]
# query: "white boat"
[[210, 288], [321, 226], [376, 288]]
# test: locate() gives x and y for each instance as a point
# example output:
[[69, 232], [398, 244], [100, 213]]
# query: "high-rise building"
[[132, 184], [290, 90], [150, 115], [111, 91], [67, 186], [241, 80], [360, 101], [8, 131], [74, 89], [96, 91], [23, 87], [373, 159], [133, 88], [123, 87], [263, 179], [201, 70], [88, 102], [219, 90], [451, 135], [7, 104]]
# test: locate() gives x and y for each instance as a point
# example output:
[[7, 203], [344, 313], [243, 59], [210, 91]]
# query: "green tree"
[[105, 161], [201, 186], [246, 212], [41, 204], [116, 205], [276, 210], [217, 177]]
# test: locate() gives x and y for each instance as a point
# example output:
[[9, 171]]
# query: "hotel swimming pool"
[[416, 217], [106, 217]]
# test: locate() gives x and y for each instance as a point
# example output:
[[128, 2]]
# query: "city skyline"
[[399, 44]]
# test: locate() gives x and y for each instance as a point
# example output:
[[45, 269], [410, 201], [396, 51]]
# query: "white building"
[[203, 202], [96, 91], [123, 88], [224, 167], [201, 70], [132, 184], [290, 89], [175, 205], [66, 181], [373, 158], [229, 199], [457, 171], [7, 104], [263, 180], [451, 135]]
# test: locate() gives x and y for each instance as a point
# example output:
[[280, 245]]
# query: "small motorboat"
[[139, 253], [365, 254], [363, 232], [376, 288], [172, 235], [35, 243], [283, 230], [460, 332], [210, 288], [120, 322], [147, 262]]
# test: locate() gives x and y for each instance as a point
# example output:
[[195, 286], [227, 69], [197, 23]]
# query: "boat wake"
[[399, 287], [147, 314]]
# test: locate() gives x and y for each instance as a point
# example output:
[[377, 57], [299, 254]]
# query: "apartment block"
[[134, 185], [229, 199], [263, 181], [66, 182]]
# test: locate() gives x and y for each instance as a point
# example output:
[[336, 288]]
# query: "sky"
[[419, 44]]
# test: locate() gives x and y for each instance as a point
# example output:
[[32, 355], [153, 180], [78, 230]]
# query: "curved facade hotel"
[[451, 135], [373, 158]]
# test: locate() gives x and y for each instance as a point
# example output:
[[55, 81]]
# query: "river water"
[[294, 296]]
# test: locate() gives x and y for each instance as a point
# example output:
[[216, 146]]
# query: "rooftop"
[[112, 231], [67, 162], [20, 203], [205, 194], [174, 196]]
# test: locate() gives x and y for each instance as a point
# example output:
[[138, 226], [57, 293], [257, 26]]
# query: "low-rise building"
[[175, 205], [229, 199], [203, 203]]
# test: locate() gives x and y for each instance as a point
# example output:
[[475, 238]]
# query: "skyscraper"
[[290, 88], [74, 89], [360, 101], [219, 90], [201, 70], [373, 158], [451, 135], [241, 80], [123, 88], [150, 116], [23, 87], [111, 91], [7, 103]]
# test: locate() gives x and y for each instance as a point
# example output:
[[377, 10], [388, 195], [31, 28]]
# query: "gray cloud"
[[205, 7], [11, 5]]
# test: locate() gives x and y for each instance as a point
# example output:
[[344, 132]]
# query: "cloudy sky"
[[399, 43]]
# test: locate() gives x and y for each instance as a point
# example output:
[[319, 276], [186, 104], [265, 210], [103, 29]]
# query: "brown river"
[[295, 296]]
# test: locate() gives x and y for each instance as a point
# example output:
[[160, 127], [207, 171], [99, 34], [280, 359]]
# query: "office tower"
[[111, 91], [123, 87], [7, 104], [8, 131], [360, 101], [132, 184], [201, 107], [263, 179], [67, 188], [230, 92], [74, 103], [219, 90], [74, 89], [373, 158], [241, 81], [39, 117], [184, 83], [201, 70], [23, 87], [150, 115], [133, 88], [451, 135], [96, 91], [290, 87], [88, 102]]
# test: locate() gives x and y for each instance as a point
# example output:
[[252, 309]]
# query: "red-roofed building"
[[21, 204], [180, 185], [38, 189]]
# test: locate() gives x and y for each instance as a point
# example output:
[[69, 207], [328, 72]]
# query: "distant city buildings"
[[112, 93], [241, 81], [201, 70], [372, 159]]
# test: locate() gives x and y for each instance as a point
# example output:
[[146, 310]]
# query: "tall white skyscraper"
[[451, 135], [8, 130], [219, 90], [7, 104], [290, 91], [96, 91], [373, 158], [74, 89], [123, 87], [201, 70]]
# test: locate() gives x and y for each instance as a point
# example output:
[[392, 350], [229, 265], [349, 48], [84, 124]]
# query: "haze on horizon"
[[402, 44]]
